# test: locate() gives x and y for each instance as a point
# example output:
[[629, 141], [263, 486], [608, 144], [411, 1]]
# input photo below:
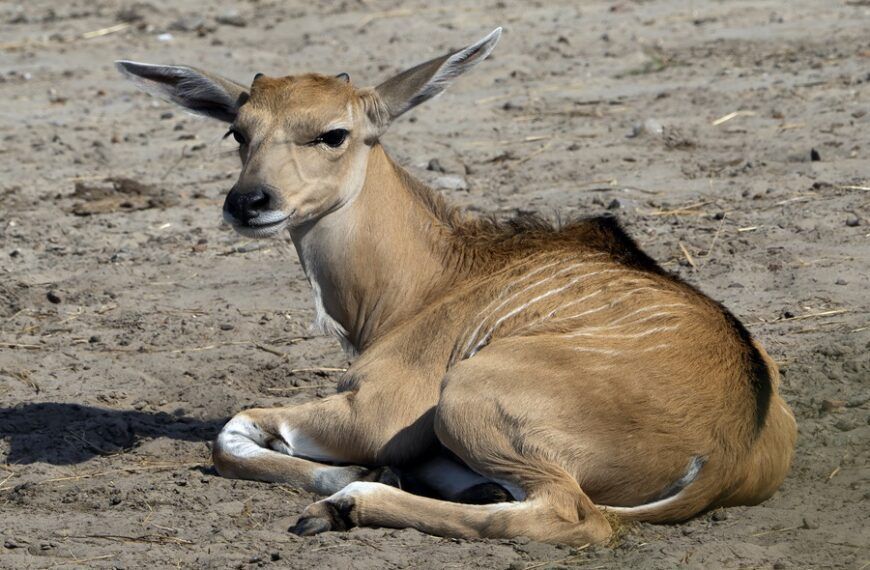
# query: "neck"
[[378, 259]]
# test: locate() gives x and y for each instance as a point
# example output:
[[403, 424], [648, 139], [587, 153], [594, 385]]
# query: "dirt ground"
[[732, 138]]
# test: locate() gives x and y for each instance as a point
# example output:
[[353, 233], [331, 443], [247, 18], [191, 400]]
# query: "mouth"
[[264, 225]]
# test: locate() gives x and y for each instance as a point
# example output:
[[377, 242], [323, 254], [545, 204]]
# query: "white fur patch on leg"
[[241, 437], [359, 489], [298, 444]]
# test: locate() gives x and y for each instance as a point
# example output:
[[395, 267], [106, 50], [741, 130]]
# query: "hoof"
[[309, 526], [330, 514], [484, 494], [386, 476]]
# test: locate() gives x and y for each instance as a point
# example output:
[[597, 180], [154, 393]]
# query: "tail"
[[724, 482], [693, 493]]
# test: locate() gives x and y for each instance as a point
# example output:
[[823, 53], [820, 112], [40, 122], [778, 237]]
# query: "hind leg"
[[479, 429], [560, 515]]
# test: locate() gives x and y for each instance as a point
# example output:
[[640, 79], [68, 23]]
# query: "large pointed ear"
[[418, 84], [195, 90]]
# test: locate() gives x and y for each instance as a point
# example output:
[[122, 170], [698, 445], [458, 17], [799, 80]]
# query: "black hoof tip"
[[389, 477], [309, 526], [484, 494], [384, 475]]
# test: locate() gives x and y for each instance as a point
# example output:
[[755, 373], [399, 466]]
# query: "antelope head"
[[304, 140]]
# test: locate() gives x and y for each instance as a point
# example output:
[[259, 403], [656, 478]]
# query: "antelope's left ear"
[[408, 89]]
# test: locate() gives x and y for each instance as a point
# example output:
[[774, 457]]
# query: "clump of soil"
[[118, 194]]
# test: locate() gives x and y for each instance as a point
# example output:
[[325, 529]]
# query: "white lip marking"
[[268, 218]]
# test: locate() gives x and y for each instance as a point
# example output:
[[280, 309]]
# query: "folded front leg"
[[258, 444], [319, 446]]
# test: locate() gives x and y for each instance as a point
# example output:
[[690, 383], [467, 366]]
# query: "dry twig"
[[729, 116], [689, 210], [315, 369], [145, 538], [830, 313], [688, 255]]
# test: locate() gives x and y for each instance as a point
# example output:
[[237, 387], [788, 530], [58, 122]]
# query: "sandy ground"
[[133, 323]]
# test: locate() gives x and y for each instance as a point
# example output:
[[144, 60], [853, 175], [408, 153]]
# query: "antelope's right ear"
[[199, 92]]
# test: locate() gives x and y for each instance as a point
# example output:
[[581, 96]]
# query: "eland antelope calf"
[[521, 379]]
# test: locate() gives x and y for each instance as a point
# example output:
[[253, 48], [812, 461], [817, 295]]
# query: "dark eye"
[[240, 138], [334, 138]]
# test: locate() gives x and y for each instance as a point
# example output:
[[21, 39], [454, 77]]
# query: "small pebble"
[[815, 156], [614, 204], [852, 221], [831, 405], [857, 402], [435, 166], [720, 515], [451, 183], [188, 24], [275, 556], [841, 281], [227, 327], [53, 297], [809, 524], [232, 18]]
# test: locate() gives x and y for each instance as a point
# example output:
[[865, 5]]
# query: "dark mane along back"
[[606, 234], [526, 232]]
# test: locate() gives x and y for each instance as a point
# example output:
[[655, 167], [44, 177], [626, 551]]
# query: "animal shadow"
[[66, 434]]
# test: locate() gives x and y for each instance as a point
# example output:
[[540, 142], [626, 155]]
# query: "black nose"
[[245, 205]]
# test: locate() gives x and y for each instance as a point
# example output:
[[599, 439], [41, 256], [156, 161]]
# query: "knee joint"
[[239, 439]]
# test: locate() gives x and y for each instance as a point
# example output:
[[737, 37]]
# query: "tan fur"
[[559, 361]]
